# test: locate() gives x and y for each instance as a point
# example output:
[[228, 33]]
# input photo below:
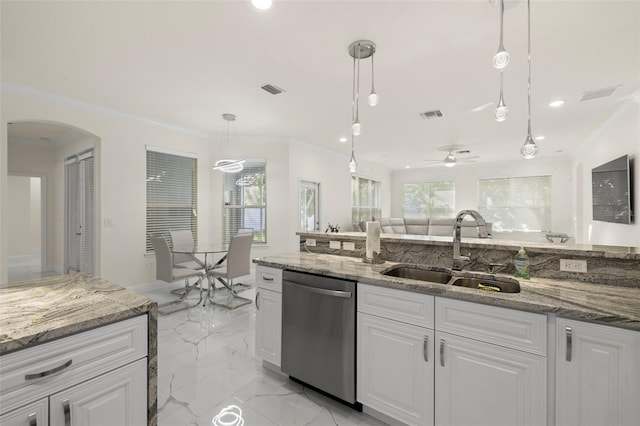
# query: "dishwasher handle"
[[325, 292]]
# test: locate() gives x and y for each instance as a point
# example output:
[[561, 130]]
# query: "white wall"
[[466, 183], [617, 136], [19, 190]]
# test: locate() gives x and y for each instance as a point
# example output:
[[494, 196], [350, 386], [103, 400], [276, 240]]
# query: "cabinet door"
[[395, 369], [483, 384], [597, 374], [268, 325], [115, 398], [35, 414]]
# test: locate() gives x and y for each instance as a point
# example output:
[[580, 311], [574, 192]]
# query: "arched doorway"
[[59, 155]]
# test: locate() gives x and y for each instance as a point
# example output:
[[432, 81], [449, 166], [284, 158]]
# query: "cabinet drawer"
[[269, 278], [399, 305], [520, 330], [33, 373]]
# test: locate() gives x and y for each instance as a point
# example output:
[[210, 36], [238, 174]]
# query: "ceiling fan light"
[[449, 160]]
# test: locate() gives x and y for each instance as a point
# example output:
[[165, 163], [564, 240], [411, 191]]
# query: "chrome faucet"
[[482, 229]]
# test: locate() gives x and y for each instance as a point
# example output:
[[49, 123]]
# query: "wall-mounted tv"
[[612, 191]]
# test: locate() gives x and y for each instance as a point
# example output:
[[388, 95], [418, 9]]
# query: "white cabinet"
[[491, 365], [484, 384], [34, 414], [101, 374], [269, 314], [597, 374], [395, 358]]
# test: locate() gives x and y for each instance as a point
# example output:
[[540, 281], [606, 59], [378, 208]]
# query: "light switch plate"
[[572, 265], [335, 245], [348, 246], [310, 242]]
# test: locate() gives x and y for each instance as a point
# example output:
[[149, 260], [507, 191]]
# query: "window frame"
[[427, 213]]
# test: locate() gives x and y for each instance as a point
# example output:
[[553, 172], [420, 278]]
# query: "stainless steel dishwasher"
[[318, 333]]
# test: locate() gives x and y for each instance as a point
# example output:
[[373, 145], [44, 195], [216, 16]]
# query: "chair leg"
[[234, 301], [187, 290]]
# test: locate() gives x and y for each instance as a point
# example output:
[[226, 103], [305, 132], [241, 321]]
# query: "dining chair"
[[183, 238], [165, 271], [237, 264]]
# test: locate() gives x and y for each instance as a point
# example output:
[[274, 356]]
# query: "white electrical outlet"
[[335, 245], [311, 242], [571, 265], [348, 246]]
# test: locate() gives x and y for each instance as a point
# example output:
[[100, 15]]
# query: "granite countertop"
[[37, 311], [616, 306]]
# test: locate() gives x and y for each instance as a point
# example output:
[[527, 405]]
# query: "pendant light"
[[502, 111], [529, 150], [227, 165], [353, 165], [373, 96], [502, 57], [361, 49]]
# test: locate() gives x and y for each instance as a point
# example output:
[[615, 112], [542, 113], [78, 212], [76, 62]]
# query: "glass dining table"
[[208, 252]]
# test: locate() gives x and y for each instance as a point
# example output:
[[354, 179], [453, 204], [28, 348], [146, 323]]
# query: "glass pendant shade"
[[501, 58], [373, 98], [356, 128], [449, 160], [353, 166], [502, 111], [529, 150]]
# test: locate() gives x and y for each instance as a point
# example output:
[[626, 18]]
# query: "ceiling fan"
[[451, 160]]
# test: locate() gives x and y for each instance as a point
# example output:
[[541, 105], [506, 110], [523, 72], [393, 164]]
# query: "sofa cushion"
[[392, 225], [417, 226], [444, 228]]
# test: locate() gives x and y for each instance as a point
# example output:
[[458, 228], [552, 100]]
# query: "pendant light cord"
[[353, 96], [529, 59], [358, 84], [501, 19]]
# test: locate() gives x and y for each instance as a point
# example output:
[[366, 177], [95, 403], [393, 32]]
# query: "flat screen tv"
[[611, 191]]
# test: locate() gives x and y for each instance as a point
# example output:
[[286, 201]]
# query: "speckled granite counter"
[[616, 306], [38, 311]]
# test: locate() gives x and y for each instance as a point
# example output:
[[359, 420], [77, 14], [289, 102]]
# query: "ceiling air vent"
[[598, 93], [436, 113], [274, 90]]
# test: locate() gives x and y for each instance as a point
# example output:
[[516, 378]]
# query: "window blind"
[[428, 200], [365, 199], [245, 202], [172, 199], [516, 204]]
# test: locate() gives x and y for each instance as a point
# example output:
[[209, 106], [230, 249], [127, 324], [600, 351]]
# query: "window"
[[516, 204], [245, 202], [428, 200], [365, 199], [172, 199]]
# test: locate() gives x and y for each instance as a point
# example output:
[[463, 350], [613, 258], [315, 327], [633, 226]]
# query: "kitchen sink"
[[422, 273], [503, 285]]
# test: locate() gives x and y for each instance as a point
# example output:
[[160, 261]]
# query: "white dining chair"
[[183, 238], [165, 271], [236, 264]]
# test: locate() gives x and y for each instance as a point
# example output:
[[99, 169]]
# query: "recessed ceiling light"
[[342, 140], [261, 4], [556, 104], [407, 167], [541, 137]]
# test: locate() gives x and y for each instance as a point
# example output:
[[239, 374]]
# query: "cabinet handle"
[[48, 372], [569, 334], [442, 352], [33, 419], [425, 348], [67, 412], [257, 294], [267, 278]]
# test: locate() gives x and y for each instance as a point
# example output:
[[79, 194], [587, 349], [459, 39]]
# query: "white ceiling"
[[187, 63]]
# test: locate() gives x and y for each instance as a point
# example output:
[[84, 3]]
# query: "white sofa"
[[432, 227]]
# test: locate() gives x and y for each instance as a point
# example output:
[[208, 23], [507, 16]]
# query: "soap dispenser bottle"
[[521, 262]]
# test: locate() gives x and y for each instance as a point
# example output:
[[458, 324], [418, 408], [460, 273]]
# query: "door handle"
[[67, 412], [569, 334], [425, 348], [442, 352], [33, 419], [257, 294], [325, 292]]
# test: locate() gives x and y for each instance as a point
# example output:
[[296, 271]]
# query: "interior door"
[[79, 213], [309, 202]]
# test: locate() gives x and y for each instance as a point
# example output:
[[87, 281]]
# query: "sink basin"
[[503, 285], [432, 275]]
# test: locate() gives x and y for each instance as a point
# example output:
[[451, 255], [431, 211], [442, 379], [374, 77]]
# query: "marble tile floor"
[[206, 362]]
